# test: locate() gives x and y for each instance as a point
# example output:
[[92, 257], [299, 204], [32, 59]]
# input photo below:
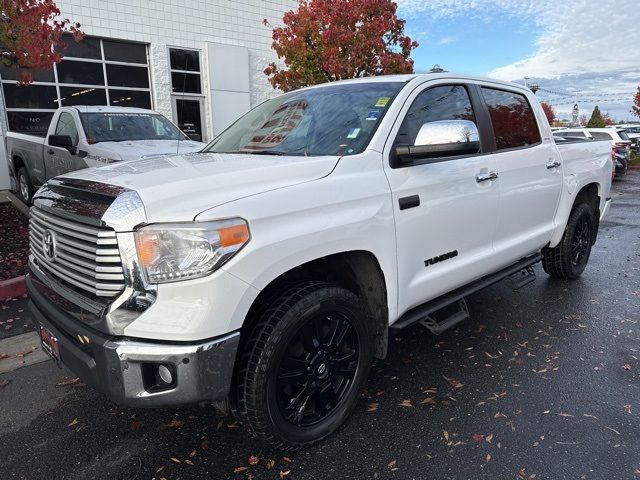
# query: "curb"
[[12, 288]]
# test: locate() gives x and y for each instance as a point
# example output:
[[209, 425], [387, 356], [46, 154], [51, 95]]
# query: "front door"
[[59, 160], [446, 240], [530, 172], [187, 112]]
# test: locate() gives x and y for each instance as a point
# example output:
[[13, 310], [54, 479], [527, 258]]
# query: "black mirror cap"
[[63, 141], [403, 155]]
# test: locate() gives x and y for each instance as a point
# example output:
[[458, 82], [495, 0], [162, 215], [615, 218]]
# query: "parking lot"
[[541, 383]]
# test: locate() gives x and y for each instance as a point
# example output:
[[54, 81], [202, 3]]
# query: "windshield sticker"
[[373, 115], [353, 133], [382, 102]]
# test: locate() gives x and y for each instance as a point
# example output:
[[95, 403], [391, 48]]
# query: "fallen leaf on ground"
[[477, 437], [565, 415], [4, 383], [204, 445], [284, 473], [627, 366], [445, 434], [135, 425], [287, 459], [72, 381], [188, 462], [405, 403], [73, 422], [489, 438], [429, 401], [4, 355], [487, 458], [271, 464], [240, 469], [372, 407], [26, 352], [175, 460], [253, 460], [392, 464], [172, 424]]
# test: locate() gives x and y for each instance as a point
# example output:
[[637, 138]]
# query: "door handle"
[[553, 164], [50, 151], [483, 177]]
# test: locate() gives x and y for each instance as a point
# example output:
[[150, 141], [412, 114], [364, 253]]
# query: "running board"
[[425, 313]]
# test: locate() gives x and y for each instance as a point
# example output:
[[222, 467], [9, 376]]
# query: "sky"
[[587, 50]]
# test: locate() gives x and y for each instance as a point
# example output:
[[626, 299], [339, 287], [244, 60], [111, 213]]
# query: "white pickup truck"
[[81, 137], [268, 269]]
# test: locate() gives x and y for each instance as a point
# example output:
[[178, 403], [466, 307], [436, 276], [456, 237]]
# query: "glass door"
[[188, 115]]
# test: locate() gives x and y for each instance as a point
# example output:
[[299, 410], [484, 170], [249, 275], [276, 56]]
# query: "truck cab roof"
[[105, 109]]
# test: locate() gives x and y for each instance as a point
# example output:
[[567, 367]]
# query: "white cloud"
[[581, 45], [447, 40]]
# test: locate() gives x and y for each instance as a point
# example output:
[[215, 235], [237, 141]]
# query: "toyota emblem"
[[49, 244]]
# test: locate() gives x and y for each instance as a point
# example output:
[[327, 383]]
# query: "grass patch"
[[635, 159]]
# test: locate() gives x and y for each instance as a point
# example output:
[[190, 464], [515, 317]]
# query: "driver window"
[[444, 102], [66, 126]]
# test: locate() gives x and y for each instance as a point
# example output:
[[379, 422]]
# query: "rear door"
[[59, 160], [530, 175], [445, 218]]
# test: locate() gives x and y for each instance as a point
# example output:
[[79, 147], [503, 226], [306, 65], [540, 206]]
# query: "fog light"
[[165, 374]]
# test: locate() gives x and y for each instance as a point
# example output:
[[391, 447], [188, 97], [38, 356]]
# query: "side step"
[[425, 313]]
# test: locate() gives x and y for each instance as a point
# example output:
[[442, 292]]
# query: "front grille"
[[84, 256]]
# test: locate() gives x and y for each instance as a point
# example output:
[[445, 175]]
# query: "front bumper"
[[126, 369]]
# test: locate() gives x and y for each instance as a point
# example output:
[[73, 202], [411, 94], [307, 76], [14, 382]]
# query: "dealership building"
[[199, 63]]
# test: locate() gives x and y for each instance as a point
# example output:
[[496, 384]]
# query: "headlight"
[[179, 251]]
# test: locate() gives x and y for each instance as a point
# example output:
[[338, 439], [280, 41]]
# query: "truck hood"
[[133, 149], [179, 187]]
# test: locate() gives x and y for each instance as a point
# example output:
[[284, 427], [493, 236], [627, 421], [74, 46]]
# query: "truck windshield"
[[120, 127], [337, 119]]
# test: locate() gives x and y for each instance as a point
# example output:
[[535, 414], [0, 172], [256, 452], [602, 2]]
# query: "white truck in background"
[[266, 271], [88, 136]]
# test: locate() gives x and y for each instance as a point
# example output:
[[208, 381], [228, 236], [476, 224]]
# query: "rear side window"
[[569, 134], [514, 124], [450, 102], [601, 136]]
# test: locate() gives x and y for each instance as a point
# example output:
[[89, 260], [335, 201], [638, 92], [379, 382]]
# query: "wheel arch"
[[590, 193], [358, 271]]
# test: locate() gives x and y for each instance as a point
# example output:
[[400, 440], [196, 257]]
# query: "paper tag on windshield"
[[382, 102], [353, 133], [373, 115]]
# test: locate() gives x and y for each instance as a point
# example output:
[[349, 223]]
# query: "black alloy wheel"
[[581, 241], [317, 369], [302, 365]]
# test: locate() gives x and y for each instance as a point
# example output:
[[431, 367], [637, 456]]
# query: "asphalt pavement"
[[540, 383]]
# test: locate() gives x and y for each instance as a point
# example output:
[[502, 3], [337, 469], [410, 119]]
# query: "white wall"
[[188, 24]]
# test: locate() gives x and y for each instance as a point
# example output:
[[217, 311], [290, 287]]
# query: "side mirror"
[[443, 138], [63, 141], [196, 137]]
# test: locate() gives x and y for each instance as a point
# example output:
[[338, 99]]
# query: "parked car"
[[267, 270], [81, 137], [620, 143], [633, 132]]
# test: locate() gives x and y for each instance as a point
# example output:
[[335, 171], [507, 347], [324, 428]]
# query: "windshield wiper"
[[258, 152]]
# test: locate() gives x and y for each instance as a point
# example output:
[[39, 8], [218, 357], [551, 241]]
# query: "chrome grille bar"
[[85, 256]]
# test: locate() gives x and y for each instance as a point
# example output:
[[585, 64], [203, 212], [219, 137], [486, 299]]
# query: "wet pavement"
[[541, 383]]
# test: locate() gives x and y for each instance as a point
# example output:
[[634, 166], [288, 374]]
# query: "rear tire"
[[25, 188], [569, 258], [303, 365]]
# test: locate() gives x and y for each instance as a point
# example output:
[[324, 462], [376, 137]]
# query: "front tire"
[[303, 366], [569, 258], [25, 188]]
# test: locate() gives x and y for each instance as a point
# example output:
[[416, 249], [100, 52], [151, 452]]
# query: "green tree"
[[596, 120]]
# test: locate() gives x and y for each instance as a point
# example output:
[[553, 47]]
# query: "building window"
[[185, 71], [94, 71], [186, 86]]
